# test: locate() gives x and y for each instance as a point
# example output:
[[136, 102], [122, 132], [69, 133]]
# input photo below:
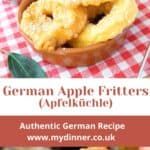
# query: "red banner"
[[74, 131]]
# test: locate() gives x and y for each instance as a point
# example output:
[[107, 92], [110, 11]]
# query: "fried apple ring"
[[74, 3], [94, 148], [121, 16], [50, 25], [95, 11]]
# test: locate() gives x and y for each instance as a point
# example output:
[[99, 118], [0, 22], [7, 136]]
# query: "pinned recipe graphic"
[[74, 75]]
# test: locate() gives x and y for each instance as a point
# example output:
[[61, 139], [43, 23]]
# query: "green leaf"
[[24, 67]]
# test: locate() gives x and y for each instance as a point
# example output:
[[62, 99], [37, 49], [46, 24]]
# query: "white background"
[[26, 105]]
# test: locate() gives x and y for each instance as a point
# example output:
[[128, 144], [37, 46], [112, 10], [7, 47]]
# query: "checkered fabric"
[[124, 63]]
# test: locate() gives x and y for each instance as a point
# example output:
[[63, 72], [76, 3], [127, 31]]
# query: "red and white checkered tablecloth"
[[124, 63]]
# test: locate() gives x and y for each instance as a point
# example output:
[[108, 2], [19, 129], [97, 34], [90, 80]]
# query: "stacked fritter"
[[50, 24]]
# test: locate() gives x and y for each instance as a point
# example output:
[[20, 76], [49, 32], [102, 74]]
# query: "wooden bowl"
[[73, 57]]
